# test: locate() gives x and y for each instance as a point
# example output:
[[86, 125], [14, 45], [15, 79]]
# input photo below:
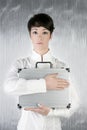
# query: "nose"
[[40, 37]]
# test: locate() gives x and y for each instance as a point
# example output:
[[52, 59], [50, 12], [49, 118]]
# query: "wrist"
[[46, 83], [50, 112]]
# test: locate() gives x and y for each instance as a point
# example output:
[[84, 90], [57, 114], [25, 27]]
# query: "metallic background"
[[69, 44]]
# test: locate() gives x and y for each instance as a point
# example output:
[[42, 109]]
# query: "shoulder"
[[23, 59], [21, 62]]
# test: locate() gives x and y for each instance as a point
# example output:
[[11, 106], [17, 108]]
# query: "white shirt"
[[14, 85]]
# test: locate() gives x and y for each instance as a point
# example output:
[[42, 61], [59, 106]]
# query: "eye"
[[45, 32], [35, 32]]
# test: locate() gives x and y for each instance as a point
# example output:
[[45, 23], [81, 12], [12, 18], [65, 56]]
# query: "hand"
[[53, 82], [41, 109]]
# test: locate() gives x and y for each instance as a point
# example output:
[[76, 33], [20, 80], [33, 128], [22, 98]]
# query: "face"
[[40, 37]]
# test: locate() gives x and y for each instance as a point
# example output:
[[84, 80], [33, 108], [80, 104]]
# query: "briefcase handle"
[[45, 62], [48, 62]]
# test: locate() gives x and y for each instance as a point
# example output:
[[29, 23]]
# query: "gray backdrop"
[[69, 44]]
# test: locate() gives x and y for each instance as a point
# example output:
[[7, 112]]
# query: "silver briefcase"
[[52, 98]]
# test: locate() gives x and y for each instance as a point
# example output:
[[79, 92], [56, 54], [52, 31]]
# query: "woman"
[[40, 28]]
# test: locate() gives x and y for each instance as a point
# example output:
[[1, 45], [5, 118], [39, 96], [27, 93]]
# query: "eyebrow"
[[37, 29], [34, 29]]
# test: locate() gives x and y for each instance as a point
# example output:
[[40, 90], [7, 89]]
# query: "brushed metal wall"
[[69, 44]]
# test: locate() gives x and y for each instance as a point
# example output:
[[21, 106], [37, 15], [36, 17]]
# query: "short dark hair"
[[41, 19]]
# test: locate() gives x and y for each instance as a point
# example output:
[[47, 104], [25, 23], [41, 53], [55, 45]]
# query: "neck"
[[41, 52]]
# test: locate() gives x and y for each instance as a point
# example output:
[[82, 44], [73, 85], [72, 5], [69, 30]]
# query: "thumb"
[[39, 105], [54, 75]]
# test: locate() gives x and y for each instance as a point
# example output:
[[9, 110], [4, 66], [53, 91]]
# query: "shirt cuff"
[[30, 86]]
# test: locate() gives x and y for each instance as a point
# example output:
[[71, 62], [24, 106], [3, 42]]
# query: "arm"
[[73, 96], [19, 86], [55, 83], [44, 110], [74, 99]]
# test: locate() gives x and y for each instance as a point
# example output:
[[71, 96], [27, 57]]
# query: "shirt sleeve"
[[74, 99], [18, 86]]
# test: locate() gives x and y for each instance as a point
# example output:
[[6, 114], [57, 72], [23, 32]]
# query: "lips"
[[39, 43]]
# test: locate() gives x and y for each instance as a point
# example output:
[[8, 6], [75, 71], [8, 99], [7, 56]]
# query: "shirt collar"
[[37, 57]]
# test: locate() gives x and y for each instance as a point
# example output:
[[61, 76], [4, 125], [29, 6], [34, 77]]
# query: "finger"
[[63, 84], [54, 75], [41, 105], [29, 108], [63, 80], [38, 110], [32, 109]]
